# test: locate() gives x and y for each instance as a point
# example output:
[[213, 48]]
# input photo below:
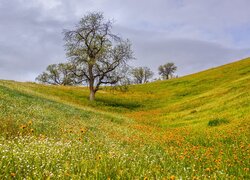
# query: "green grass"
[[197, 126]]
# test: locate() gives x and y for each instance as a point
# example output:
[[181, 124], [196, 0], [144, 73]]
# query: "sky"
[[194, 34]]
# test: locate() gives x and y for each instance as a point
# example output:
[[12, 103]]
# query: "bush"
[[217, 122]]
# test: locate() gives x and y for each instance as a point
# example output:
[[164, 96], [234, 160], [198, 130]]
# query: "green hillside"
[[193, 127]]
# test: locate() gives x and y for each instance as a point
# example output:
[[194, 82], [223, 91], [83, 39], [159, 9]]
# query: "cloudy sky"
[[194, 34]]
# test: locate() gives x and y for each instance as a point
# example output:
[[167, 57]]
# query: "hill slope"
[[193, 126]]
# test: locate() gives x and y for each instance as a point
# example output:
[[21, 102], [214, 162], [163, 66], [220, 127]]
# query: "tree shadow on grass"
[[118, 103]]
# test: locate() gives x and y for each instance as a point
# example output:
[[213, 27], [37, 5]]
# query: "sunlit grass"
[[194, 127]]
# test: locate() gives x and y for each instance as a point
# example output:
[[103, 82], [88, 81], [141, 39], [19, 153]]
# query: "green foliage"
[[59, 74], [141, 74], [167, 70]]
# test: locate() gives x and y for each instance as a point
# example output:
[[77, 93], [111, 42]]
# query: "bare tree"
[[58, 74], [100, 55], [167, 70], [141, 74]]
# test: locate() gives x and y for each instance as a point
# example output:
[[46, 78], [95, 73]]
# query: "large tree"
[[99, 55], [59, 74], [141, 75], [167, 70]]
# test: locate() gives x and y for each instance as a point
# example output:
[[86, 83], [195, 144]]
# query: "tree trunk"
[[91, 83], [91, 90], [92, 95]]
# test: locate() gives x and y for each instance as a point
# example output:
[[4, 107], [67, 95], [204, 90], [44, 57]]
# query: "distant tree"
[[167, 70], [99, 56], [58, 74], [122, 84], [141, 74]]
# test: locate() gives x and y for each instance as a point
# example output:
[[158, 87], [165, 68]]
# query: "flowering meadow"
[[193, 127]]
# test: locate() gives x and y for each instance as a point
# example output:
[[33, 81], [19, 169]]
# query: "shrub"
[[217, 122]]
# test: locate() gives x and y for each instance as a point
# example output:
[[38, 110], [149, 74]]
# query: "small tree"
[[122, 85], [167, 70], [58, 74], [99, 56], [141, 75]]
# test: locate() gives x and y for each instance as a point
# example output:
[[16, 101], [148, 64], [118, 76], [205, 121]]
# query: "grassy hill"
[[195, 126]]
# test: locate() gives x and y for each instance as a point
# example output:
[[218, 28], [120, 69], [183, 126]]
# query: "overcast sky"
[[194, 34]]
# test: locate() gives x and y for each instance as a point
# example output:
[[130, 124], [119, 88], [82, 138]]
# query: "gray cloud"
[[195, 34], [28, 41], [189, 55]]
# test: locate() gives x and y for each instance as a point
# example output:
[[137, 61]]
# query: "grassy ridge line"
[[105, 103], [215, 97], [27, 88], [202, 81]]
